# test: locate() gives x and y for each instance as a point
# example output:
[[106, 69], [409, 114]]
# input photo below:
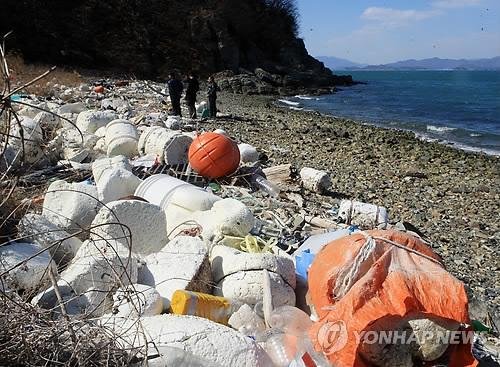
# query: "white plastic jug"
[[171, 193]]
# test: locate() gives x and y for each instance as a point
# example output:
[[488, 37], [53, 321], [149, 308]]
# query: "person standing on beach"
[[193, 86], [175, 89], [213, 88]]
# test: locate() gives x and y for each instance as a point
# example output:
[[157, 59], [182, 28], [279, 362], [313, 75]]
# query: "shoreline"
[[421, 135], [451, 195]]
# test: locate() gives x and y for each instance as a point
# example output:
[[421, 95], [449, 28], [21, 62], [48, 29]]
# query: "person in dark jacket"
[[175, 89], [213, 88], [193, 86]]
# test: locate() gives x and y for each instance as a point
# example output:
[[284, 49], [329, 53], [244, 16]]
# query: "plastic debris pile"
[[190, 251]]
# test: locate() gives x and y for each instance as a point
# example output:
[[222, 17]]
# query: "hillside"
[[441, 64], [337, 63], [149, 38]]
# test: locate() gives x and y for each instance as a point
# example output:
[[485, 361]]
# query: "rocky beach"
[[451, 196]]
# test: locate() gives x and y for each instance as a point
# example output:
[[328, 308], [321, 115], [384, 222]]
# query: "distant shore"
[[452, 196]]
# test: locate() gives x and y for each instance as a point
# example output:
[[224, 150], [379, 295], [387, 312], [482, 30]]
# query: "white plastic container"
[[170, 146], [315, 180], [366, 216], [121, 138], [171, 193]]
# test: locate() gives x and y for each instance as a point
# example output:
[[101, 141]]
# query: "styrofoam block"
[[73, 108], [200, 337], [145, 223], [90, 121], [102, 164], [71, 206], [247, 287], [116, 183], [181, 264], [32, 272], [38, 228], [98, 268], [137, 300], [226, 261], [248, 153], [29, 140]]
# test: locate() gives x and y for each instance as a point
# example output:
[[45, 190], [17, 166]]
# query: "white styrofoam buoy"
[[170, 146], [315, 180], [121, 138]]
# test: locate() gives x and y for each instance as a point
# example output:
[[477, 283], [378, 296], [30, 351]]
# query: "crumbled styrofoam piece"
[[91, 120], [173, 123], [226, 260], [248, 287], [135, 224], [47, 120], [199, 337], [71, 206], [248, 153], [66, 95], [33, 265], [62, 246], [226, 217], [315, 180], [119, 105], [137, 300], [73, 108], [181, 265], [247, 322]]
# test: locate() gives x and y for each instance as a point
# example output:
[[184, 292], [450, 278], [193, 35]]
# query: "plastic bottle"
[[266, 185], [217, 309], [290, 320], [278, 349]]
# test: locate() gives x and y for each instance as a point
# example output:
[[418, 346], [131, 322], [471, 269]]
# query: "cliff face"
[[149, 38]]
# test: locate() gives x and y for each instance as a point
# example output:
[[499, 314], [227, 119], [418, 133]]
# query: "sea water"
[[461, 108]]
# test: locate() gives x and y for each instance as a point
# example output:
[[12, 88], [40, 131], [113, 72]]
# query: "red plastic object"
[[99, 89], [214, 155]]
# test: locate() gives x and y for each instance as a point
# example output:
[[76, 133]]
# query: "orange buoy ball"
[[99, 89], [214, 155]]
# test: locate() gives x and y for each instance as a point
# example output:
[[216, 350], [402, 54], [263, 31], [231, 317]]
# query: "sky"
[[377, 32]]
